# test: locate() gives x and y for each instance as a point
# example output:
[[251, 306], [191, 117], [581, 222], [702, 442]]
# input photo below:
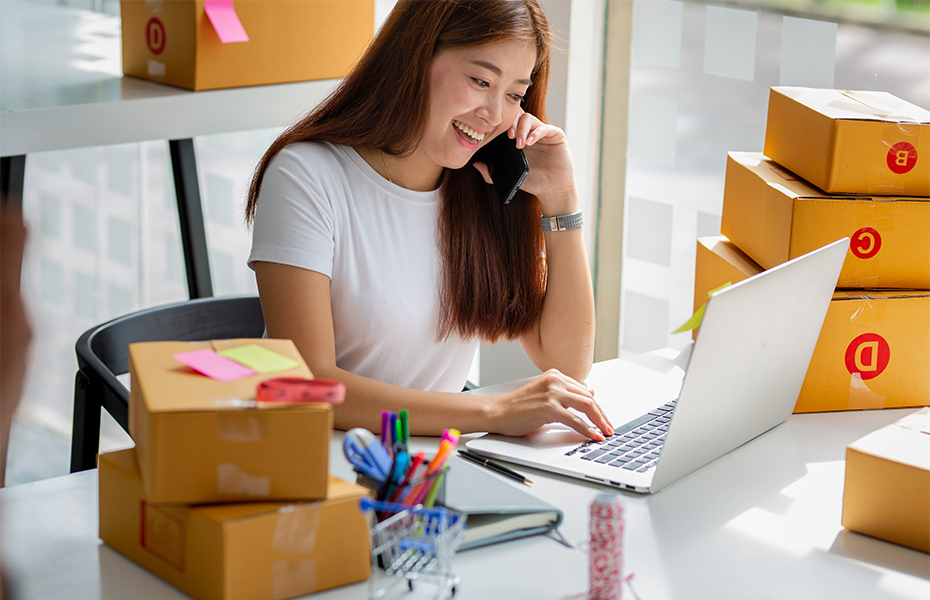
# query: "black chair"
[[103, 353]]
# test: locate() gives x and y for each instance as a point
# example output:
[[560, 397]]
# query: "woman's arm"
[[564, 336], [296, 306]]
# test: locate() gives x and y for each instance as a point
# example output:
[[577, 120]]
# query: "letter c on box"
[[868, 355], [865, 243]]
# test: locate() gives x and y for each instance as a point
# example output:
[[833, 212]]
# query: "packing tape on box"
[[901, 136], [292, 578], [918, 421], [869, 351], [241, 427], [296, 529], [871, 310], [861, 397], [295, 536], [234, 481], [875, 109]]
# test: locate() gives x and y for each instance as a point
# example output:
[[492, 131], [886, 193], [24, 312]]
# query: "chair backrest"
[[105, 348]]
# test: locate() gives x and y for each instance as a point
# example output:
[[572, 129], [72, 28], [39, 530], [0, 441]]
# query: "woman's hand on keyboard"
[[546, 400]]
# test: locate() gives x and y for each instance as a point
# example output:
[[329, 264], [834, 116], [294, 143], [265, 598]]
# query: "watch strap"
[[562, 222]]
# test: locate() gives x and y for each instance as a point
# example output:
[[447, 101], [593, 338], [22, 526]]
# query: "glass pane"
[[699, 85]]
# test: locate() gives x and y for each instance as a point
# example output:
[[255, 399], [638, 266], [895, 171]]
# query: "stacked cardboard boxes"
[[840, 164], [225, 498]]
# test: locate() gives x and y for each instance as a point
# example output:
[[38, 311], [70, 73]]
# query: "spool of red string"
[[606, 571]]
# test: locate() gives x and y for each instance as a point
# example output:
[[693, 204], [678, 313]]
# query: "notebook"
[[744, 375], [497, 510]]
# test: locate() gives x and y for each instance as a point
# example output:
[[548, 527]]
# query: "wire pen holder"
[[412, 544], [403, 494]]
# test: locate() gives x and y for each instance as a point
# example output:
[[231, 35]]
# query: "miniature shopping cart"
[[415, 544]]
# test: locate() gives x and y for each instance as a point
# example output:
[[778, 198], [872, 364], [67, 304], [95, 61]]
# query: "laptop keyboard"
[[634, 446]]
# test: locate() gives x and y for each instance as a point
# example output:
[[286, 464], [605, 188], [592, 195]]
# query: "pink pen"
[[450, 434]]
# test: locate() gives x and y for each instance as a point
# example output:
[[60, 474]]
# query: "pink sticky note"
[[225, 21], [213, 365]]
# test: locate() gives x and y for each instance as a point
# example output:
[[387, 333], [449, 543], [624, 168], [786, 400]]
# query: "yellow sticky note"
[[259, 359], [695, 321]]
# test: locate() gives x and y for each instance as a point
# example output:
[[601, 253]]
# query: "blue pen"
[[401, 461], [393, 436], [400, 467]]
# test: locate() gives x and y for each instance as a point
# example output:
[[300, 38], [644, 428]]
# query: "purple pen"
[[385, 424]]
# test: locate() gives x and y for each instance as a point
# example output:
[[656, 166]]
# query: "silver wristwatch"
[[561, 223]]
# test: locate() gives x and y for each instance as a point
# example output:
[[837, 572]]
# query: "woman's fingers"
[[483, 169], [579, 425], [569, 393], [603, 412], [590, 409], [527, 130], [551, 398]]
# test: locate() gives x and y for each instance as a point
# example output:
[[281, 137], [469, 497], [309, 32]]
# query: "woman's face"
[[475, 95]]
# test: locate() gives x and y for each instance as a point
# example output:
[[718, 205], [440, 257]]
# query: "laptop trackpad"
[[547, 436]]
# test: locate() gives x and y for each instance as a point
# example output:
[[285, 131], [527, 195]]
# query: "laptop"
[[743, 378]]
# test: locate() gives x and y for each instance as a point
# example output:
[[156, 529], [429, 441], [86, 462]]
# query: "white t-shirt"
[[323, 208]]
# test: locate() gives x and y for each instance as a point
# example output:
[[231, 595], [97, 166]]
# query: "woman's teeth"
[[468, 131]]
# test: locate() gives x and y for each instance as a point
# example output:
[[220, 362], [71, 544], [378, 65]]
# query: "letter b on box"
[[902, 157]]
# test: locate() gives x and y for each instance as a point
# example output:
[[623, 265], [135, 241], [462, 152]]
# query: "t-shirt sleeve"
[[294, 219]]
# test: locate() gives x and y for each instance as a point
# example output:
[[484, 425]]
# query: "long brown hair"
[[493, 263]]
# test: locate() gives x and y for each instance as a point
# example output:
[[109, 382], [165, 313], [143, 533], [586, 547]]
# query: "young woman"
[[386, 256]]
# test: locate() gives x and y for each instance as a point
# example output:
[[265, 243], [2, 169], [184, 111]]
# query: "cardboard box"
[[850, 142], [774, 216], [718, 261], [249, 551], [873, 352], [874, 348], [199, 441], [887, 492], [174, 41]]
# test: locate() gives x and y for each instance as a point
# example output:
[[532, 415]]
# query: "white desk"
[[61, 87], [761, 522]]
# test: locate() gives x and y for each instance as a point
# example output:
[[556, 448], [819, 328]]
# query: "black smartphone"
[[507, 165]]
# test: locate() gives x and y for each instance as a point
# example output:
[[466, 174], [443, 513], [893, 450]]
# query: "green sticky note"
[[695, 321], [260, 359]]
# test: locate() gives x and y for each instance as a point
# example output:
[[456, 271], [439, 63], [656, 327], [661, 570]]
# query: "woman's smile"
[[471, 137]]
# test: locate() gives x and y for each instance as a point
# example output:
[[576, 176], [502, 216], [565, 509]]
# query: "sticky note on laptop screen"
[[214, 366], [260, 359]]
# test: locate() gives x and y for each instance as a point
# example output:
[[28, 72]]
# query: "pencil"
[[502, 470]]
